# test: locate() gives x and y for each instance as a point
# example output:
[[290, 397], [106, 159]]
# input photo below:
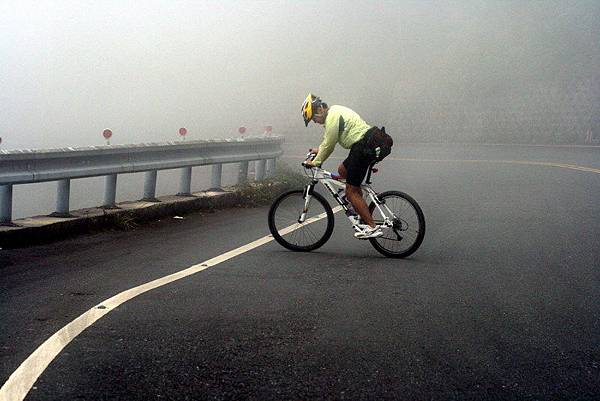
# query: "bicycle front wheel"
[[308, 235], [406, 234]]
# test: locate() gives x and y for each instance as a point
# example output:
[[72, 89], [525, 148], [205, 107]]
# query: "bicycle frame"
[[335, 187], [398, 215]]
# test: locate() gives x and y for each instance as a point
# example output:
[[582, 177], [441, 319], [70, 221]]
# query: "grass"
[[125, 221], [264, 192]]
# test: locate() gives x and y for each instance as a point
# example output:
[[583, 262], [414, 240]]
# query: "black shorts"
[[358, 161]]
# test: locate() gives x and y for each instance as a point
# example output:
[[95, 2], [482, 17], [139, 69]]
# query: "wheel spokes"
[[300, 234], [399, 237]]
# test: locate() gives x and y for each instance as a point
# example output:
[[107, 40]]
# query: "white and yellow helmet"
[[311, 103]]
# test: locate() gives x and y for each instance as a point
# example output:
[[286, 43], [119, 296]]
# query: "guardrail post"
[[270, 167], [260, 169], [243, 173], [110, 192], [6, 205], [185, 188], [215, 180], [63, 193], [150, 187]]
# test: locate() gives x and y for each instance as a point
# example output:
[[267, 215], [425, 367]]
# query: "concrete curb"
[[42, 229]]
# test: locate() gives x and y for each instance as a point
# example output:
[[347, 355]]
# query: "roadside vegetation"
[[260, 193]]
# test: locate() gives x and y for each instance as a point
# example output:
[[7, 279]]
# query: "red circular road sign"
[[182, 131], [107, 133], [242, 130]]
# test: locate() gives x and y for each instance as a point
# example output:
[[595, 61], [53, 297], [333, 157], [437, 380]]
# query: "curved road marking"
[[521, 162], [520, 145], [20, 382]]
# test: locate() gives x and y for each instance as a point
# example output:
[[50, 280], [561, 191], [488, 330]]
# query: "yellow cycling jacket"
[[343, 126]]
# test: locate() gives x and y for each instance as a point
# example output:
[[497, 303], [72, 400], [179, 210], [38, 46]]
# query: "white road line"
[[521, 162], [526, 145], [20, 382]]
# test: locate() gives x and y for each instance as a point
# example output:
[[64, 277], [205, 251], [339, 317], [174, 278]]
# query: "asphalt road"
[[502, 300]]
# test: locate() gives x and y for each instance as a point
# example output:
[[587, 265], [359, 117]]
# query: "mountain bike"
[[302, 219]]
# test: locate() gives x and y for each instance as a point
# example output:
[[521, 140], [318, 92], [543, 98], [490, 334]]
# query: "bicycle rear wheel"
[[408, 229], [308, 235]]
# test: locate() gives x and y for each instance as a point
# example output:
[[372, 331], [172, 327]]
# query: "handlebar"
[[310, 156]]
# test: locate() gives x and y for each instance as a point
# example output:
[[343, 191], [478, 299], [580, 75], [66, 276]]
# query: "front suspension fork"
[[307, 196]]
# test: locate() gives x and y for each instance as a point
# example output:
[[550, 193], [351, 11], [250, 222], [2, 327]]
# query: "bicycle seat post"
[[368, 180]]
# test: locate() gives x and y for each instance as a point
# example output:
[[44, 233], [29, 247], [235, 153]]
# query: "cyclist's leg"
[[354, 195], [354, 199], [356, 166]]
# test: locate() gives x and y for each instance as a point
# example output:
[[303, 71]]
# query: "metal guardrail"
[[62, 165]]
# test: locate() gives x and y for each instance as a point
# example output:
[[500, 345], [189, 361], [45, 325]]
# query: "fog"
[[495, 71], [460, 71]]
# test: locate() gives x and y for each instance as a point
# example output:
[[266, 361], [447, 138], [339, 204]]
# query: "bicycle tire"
[[392, 234], [288, 240]]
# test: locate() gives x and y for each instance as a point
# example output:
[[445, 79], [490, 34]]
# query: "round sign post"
[[107, 134], [268, 130], [186, 173], [242, 130]]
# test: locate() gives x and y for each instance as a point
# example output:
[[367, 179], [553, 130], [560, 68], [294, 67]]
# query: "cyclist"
[[344, 126]]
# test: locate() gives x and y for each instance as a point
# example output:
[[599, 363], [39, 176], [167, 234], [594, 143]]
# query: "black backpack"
[[381, 143]]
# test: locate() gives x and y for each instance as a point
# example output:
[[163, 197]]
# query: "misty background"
[[430, 71], [491, 71]]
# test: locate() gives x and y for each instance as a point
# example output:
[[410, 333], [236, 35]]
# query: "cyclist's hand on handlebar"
[[308, 164], [310, 156]]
